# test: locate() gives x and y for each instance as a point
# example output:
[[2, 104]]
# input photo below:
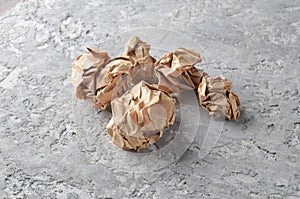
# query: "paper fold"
[[142, 61], [94, 58], [139, 116], [215, 95], [176, 70], [140, 109]]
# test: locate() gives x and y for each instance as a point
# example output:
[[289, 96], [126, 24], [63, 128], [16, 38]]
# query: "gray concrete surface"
[[7, 4], [54, 146]]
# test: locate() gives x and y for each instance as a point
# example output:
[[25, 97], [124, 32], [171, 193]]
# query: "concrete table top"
[[55, 146]]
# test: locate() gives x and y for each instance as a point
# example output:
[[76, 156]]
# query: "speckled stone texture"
[[55, 146]]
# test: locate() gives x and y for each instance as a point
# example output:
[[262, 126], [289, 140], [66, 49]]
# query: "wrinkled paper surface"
[[215, 95], [99, 82], [139, 116], [141, 110], [142, 61], [96, 75], [94, 58], [176, 70]]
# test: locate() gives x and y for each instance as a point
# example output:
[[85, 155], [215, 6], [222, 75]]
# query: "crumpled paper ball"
[[215, 95], [176, 70], [94, 58], [96, 74], [142, 110], [139, 116], [142, 61], [99, 83]]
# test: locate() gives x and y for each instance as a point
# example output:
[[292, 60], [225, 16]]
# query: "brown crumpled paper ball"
[[142, 61], [176, 70], [94, 58], [99, 82], [141, 112], [215, 95], [139, 116], [96, 75]]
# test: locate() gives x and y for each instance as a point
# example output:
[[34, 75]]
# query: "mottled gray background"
[[53, 146]]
